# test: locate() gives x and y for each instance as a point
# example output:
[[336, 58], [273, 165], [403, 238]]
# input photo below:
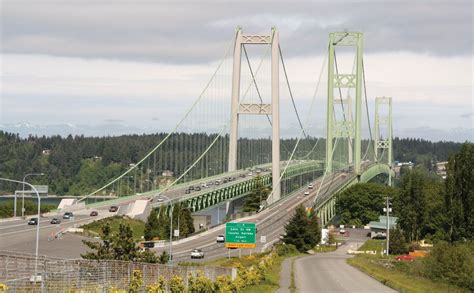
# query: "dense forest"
[[76, 165]]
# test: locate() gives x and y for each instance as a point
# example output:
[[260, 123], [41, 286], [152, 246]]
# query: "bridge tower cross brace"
[[383, 121], [338, 81], [273, 109]]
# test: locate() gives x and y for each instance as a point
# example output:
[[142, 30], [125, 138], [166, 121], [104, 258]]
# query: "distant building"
[[97, 158], [378, 229], [167, 173], [441, 169], [398, 165]]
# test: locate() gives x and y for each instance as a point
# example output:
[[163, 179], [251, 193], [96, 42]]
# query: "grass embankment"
[[94, 228], [396, 274]]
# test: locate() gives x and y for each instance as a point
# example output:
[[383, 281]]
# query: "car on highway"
[[197, 188], [220, 238], [342, 231], [94, 214], [187, 191], [55, 221], [197, 253], [113, 209], [310, 186], [33, 221], [68, 215], [160, 199], [306, 193]]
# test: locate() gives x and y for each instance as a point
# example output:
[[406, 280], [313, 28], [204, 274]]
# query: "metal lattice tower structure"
[[273, 109], [383, 122], [336, 82]]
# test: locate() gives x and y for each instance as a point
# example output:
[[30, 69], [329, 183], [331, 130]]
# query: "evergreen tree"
[[259, 193], [302, 231], [459, 195], [411, 204], [103, 249], [152, 228], [398, 244], [124, 248]]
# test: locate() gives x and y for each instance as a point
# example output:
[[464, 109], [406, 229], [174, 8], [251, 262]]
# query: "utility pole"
[[388, 209]]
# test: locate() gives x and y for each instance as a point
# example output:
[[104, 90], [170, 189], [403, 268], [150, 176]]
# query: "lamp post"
[[388, 209], [171, 226], [23, 194], [38, 225]]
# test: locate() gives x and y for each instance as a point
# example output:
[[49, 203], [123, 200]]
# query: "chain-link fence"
[[17, 271]]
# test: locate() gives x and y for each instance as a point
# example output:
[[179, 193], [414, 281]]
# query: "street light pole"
[[23, 194], [171, 226], [39, 213], [388, 223]]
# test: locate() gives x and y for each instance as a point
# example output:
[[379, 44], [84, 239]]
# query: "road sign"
[[263, 239], [240, 235], [176, 233]]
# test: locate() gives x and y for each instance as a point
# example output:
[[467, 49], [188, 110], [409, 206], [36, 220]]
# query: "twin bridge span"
[[214, 158]]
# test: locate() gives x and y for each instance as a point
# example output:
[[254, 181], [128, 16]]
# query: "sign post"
[[240, 235]]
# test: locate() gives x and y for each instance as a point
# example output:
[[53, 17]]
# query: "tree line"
[[426, 205], [76, 165]]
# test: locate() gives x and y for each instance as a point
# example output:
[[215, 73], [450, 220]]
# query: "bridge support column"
[[383, 133], [337, 82], [273, 109]]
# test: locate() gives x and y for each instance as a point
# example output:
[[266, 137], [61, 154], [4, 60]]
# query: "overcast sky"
[[111, 67]]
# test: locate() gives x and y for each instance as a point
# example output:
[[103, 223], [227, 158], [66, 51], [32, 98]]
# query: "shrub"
[[3, 288], [451, 263], [199, 283], [137, 282], [158, 287], [224, 284], [177, 284], [283, 249]]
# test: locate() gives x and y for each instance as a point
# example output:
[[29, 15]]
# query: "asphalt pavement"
[[270, 224], [329, 272]]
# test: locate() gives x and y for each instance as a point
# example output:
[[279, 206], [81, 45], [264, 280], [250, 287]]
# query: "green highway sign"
[[240, 235]]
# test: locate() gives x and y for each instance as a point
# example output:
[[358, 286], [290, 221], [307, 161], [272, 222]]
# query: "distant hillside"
[[75, 165]]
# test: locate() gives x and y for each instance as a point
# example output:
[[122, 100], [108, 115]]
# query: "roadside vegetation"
[[7, 209], [158, 223], [117, 246], [302, 230], [447, 268], [428, 208], [96, 228]]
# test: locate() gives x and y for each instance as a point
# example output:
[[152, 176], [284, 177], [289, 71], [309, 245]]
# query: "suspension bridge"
[[232, 134]]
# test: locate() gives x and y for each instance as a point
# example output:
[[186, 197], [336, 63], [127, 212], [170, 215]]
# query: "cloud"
[[173, 32]]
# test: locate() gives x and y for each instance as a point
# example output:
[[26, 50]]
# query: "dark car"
[[197, 188], [113, 209], [148, 244], [94, 214], [55, 221], [33, 221], [187, 191]]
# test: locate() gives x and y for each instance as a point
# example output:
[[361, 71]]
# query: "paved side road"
[[329, 272]]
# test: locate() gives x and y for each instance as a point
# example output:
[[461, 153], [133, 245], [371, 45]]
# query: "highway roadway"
[[16, 235], [329, 272], [270, 224]]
